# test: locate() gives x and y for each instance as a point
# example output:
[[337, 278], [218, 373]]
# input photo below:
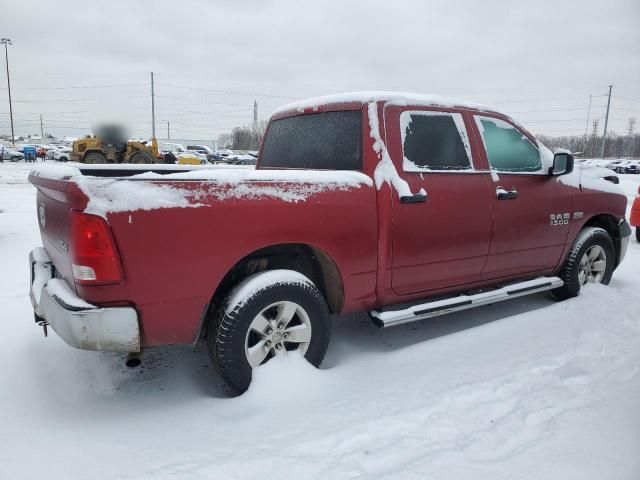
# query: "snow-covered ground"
[[530, 389]]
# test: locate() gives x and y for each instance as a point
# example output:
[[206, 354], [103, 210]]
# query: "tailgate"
[[53, 220]]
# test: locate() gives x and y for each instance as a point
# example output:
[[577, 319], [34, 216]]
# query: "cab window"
[[508, 149], [434, 141]]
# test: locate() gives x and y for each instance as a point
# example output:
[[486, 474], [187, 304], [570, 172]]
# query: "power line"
[[228, 92], [72, 87], [626, 98], [557, 99]]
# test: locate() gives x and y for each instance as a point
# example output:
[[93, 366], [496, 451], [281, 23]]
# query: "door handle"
[[503, 194], [417, 198]]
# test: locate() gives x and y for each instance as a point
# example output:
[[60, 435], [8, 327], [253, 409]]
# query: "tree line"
[[616, 146], [243, 138]]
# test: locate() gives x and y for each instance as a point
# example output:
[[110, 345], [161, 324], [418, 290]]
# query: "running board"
[[463, 302]]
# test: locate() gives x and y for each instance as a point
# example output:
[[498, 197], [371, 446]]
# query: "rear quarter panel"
[[174, 258]]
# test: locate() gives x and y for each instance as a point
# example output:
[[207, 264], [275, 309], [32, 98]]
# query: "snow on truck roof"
[[395, 98]]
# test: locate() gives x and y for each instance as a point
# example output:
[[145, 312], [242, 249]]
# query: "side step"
[[463, 302]]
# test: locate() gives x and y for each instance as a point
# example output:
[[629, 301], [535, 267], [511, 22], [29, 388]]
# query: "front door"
[[531, 208], [443, 242]]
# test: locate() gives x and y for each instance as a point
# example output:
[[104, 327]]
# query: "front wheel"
[[590, 260], [140, 157], [277, 312], [95, 158]]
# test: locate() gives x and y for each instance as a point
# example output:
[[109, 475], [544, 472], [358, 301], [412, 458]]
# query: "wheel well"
[[308, 260], [610, 224]]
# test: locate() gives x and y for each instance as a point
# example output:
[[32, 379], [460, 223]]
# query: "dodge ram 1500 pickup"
[[359, 203]]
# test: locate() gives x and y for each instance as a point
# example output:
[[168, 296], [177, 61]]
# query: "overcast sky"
[[538, 60]]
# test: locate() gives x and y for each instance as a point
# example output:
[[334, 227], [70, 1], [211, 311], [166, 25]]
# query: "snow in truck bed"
[[153, 187]]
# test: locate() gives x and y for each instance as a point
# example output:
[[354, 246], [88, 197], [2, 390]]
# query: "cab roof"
[[355, 100]]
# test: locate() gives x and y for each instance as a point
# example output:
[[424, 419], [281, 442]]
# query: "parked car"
[[614, 165], [360, 203], [10, 154], [60, 153], [632, 167], [203, 150], [625, 166], [635, 215], [240, 159], [183, 156], [223, 153]]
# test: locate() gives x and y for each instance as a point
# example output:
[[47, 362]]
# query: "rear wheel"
[[267, 316], [95, 158], [64, 159], [590, 260]]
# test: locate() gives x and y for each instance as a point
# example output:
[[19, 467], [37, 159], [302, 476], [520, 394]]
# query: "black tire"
[[638, 234], [140, 157], [228, 330], [15, 159], [569, 273], [94, 158], [64, 159]]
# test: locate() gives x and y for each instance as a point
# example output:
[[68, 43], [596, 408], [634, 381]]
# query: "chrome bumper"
[[78, 323]]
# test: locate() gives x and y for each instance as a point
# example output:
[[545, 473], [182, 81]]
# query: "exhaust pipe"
[[134, 359]]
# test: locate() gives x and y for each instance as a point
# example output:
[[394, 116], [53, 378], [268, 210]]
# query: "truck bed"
[[180, 229]]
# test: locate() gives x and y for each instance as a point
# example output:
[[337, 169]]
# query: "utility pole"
[[592, 143], [630, 128], [7, 41], [168, 136], [606, 122], [586, 128], [254, 127], [41, 129], [153, 110]]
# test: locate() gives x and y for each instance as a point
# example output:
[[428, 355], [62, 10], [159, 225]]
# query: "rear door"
[[444, 241], [531, 209]]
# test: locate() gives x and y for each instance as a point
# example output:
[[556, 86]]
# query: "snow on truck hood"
[[111, 195]]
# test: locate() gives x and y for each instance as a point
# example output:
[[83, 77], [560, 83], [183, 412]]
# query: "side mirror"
[[562, 164]]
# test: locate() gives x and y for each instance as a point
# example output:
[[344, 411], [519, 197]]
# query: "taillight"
[[94, 255]]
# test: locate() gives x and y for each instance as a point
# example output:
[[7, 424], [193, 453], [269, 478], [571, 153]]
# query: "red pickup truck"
[[359, 202]]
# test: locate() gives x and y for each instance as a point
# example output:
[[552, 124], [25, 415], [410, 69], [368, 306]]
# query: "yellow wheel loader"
[[110, 145]]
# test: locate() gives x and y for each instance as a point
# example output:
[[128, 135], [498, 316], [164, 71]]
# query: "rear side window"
[[324, 141], [508, 149], [434, 141]]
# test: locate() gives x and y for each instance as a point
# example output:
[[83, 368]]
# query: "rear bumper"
[[77, 322]]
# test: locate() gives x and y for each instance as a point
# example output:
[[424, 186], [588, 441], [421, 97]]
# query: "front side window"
[[434, 141], [508, 149], [323, 141]]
